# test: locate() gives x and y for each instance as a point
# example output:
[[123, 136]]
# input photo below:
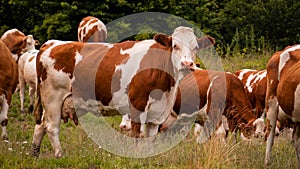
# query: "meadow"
[[81, 152]]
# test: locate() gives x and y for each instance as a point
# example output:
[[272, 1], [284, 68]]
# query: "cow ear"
[[163, 39], [36, 42], [206, 41]]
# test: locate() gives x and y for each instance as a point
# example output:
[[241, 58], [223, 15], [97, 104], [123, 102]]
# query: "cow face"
[[30, 43], [184, 45]]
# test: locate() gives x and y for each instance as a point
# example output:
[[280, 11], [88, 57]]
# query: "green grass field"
[[81, 152]]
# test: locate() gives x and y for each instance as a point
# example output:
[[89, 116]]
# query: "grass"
[[81, 152]]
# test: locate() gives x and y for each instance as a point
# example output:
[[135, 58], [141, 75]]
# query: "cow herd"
[[152, 83]]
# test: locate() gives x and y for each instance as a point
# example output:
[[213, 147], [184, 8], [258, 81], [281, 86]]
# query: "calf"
[[27, 72], [8, 83], [132, 77], [282, 90], [91, 29]]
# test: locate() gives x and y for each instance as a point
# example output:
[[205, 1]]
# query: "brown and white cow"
[[16, 42], [255, 83], [132, 77], [8, 83], [91, 29], [282, 90], [27, 72], [217, 94]]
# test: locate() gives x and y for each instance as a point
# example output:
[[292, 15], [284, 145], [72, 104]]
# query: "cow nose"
[[188, 65], [124, 128]]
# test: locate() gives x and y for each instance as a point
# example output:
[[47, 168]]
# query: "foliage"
[[238, 25]]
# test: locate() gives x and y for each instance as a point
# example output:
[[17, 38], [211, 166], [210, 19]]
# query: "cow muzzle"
[[188, 65]]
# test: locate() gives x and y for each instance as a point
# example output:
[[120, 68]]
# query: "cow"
[[255, 83], [91, 29], [8, 83], [27, 72], [219, 95], [282, 93], [16, 42], [132, 77]]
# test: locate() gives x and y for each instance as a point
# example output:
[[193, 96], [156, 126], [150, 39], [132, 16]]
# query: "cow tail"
[[38, 109]]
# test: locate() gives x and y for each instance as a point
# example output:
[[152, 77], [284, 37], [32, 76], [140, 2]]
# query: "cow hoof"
[[58, 154], [5, 138], [35, 150], [30, 109]]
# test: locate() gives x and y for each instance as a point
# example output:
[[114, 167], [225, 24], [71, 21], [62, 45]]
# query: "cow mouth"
[[187, 69]]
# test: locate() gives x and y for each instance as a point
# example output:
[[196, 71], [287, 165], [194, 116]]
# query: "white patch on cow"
[[47, 61], [15, 56], [285, 57], [184, 54], [296, 111], [3, 113], [221, 130], [78, 58], [89, 26], [254, 78], [155, 109], [197, 130], [30, 43], [125, 123], [282, 116], [4, 108], [27, 75], [259, 123], [243, 72], [11, 31], [128, 70]]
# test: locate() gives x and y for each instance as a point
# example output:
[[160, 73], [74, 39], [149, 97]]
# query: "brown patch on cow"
[[258, 94], [30, 59], [9, 72], [93, 35], [15, 41], [41, 73], [155, 76], [65, 60], [227, 91], [287, 87], [106, 79]]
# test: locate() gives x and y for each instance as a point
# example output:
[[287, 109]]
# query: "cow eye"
[[175, 47]]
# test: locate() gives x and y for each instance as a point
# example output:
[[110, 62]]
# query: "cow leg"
[[151, 129], [22, 92], [296, 139], [38, 135], [31, 95], [271, 117], [3, 116], [53, 127]]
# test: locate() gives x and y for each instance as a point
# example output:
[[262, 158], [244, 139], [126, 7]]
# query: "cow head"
[[15, 40], [183, 45], [30, 43], [125, 123]]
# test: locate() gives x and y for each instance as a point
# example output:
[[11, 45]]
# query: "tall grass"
[[81, 152]]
